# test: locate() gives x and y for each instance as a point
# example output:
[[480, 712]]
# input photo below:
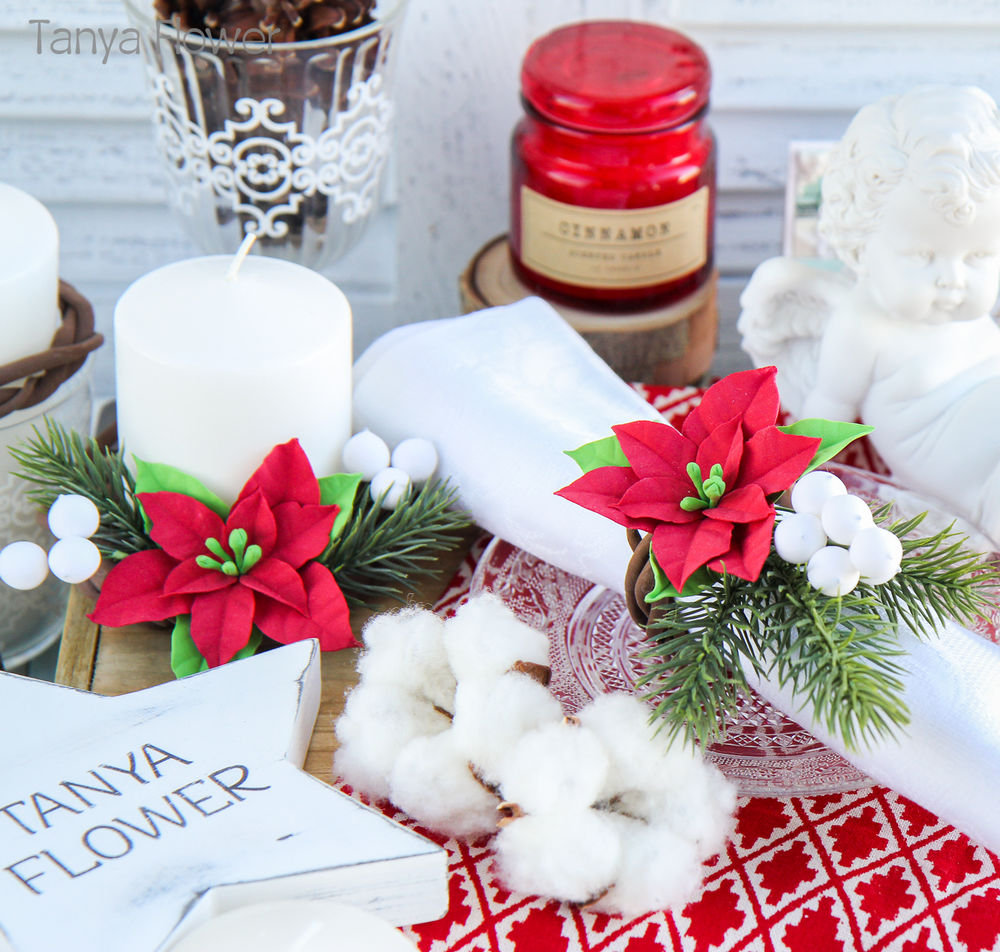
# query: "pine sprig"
[[378, 552], [939, 579], [841, 655], [382, 553], [61, 461]]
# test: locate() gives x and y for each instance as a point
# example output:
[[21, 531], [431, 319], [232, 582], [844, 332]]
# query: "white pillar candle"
[[214, 368], [29, 275]]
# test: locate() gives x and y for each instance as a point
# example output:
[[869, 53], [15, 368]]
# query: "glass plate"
[[595, 650]]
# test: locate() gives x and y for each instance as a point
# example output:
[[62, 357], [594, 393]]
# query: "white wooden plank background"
[[74, 131]]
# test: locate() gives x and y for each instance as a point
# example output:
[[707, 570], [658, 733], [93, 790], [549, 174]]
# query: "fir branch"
[[382, 553], [841, 655], [939, 579], [61, 461]]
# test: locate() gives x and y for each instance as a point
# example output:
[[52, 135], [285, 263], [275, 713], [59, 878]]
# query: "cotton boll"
[[432, 782], [485, 638], [832, 572], [365, 453], [389, 487], [557, 767], [572, 855], [406, 648], [844, 517], [700, 810], [876, 554], [376, 724], [417, 458], [811, 491], [658, 870], [621, 721], [492, 714], [798, 537]]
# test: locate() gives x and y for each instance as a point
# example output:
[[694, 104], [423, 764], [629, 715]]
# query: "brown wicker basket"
[[30, 380]]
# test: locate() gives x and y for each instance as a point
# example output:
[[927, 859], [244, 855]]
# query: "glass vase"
[[286, 141]]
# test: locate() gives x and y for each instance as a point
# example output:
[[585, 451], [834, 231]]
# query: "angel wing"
[[784, 311]]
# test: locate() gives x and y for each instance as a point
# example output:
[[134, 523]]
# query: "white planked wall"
[[74, 131]]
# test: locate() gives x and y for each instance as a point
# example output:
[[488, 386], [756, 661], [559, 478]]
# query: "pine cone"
[[287, 20]]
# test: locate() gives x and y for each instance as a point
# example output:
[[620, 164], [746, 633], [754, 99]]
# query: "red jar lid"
[[616, 76]]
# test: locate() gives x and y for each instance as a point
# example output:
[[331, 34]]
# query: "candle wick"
[[238, 258]]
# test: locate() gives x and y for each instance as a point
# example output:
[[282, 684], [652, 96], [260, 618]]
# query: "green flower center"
[[238, 560], [710, 490]]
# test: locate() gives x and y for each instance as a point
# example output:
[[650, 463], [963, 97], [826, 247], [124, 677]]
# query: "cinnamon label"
[[614, 248]]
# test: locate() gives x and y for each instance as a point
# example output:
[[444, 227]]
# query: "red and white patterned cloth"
[[851, 872]]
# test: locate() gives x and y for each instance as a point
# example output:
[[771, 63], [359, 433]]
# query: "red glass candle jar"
[[613, 167]]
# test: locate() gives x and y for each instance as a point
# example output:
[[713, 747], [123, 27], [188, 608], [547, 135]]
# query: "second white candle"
[[212, 372]]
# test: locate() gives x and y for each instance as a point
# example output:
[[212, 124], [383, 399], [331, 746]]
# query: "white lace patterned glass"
[[287, 141]]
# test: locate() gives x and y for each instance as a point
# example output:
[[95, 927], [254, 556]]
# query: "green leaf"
[[159, 477], [835, 435], [663, 588], [605, 452], [340, 489], [186, 659]]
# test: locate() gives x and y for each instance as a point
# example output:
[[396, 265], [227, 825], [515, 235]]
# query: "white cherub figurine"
[[904, 339]]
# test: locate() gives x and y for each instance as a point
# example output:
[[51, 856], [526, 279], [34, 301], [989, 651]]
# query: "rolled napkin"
[[503, 392]]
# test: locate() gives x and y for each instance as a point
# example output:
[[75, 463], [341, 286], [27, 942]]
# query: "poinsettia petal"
[[682, 549], [286, 475], [724, 445], [328, 617], [747, 504], [221, 623], [657, 498], [180, 524], [277, 580], [303, 531], [600, 491], [189, 578], [133, 592], [774, 460], [254, 515], [654, 449], [751, 546], [751, 395]]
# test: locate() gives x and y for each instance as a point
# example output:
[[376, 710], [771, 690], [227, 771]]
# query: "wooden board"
[[115, 661]]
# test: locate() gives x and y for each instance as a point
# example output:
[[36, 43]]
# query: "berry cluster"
[[833, 534]]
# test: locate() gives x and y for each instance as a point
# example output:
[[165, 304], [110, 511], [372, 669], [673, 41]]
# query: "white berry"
[[814, 489], [74, 559], [72, 515], [832, 571], [798, 536], [23, 565], [365, 453], [417, 458], [844, 517], [877, 553], [390, 485]]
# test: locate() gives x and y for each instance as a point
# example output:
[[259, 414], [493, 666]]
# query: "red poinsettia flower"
[[703, 491], [253, 568]]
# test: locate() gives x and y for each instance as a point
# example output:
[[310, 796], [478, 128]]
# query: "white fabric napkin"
[[503, 392]]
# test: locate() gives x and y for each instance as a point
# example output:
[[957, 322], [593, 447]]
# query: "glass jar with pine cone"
[[272, 117]]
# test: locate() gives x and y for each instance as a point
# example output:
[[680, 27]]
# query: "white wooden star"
[[120, 815]]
